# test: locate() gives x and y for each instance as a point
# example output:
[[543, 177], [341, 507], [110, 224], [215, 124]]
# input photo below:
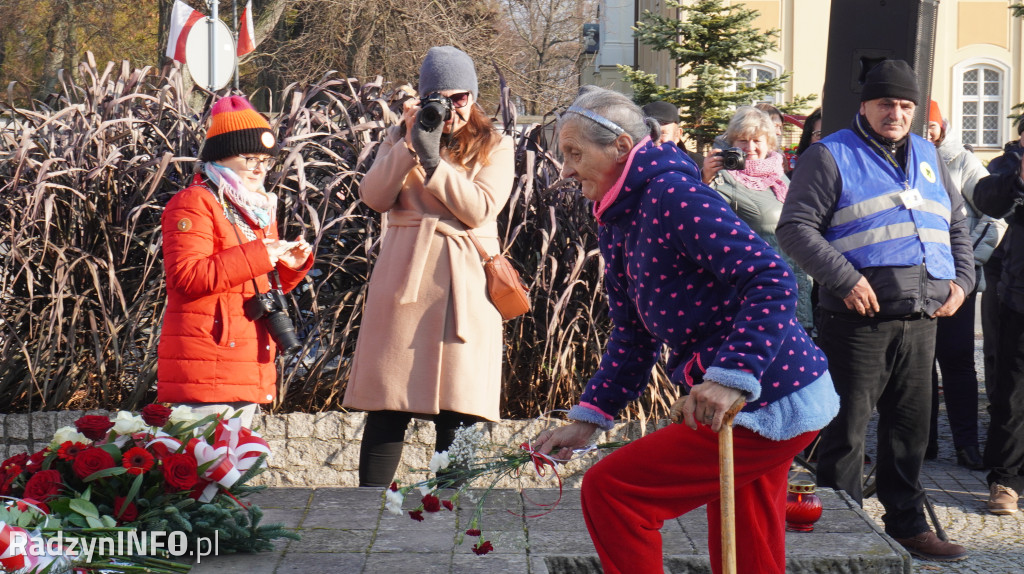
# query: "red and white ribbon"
[[235, 449], [163, 444]]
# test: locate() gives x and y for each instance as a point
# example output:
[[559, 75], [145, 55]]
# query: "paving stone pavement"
[[345, 530]]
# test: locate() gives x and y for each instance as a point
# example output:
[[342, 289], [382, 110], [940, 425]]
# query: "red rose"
[[94, 427], [43, 485], [130, 513], [19, 459], [35, 462], [180, 471], [8, 472], [156, 415], [90, 460], [197, 490]]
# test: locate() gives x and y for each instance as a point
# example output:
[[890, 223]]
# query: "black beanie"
[[662, 111], [891, 79]]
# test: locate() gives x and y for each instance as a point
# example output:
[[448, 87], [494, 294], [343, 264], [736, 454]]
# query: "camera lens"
[[283, 332]]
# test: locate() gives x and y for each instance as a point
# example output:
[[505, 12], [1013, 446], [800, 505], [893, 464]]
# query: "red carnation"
[[431, 503], [43, 485], [181, 471], [137, 460], [156, 415], [130, 513], [473, 532], [394, 487], [448, 504], [90, 460], [482, 548], [69, 450], [416, 515], [94, 427]]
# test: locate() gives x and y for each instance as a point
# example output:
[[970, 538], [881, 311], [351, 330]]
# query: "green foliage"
[[83, 183], [708, 43]]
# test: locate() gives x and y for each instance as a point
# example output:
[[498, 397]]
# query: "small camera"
[[733, 158], [435, 110], [270, 307]]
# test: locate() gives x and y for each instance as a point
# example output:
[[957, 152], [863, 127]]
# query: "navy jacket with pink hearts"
[[682, 270]]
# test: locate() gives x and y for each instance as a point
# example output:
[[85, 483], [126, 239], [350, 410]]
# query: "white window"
[[752, 74], [979, 103]]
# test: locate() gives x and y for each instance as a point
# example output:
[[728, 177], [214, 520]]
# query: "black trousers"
[[1004, 449], [384, 437], [954, 353], [990, 319], [884, 364]]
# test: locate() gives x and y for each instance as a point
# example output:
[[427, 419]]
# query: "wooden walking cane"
[[727, 489], [726, 480]]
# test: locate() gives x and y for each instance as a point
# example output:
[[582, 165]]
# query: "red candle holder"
[[803, 507]]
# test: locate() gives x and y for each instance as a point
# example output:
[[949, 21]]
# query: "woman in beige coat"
[[430, 341]]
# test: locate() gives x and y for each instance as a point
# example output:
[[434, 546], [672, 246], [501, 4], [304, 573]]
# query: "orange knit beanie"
[[237, 128]]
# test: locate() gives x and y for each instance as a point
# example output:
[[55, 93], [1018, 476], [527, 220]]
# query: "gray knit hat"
[[447, 68]]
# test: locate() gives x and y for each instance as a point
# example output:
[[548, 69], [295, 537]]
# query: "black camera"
[[270, 307], [435, 110], [733, 158]]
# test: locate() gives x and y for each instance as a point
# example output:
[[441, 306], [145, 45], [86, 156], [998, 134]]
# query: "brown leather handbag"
[[507, 292]]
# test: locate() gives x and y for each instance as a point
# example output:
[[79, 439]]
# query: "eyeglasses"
[[459, 99], [251, 162]]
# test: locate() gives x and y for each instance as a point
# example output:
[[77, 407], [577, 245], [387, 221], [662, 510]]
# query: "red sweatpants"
[[629, 494]]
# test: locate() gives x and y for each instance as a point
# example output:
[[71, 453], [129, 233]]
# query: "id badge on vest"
[[911, 198]]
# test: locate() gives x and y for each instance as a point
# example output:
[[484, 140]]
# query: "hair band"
[[599, 119]]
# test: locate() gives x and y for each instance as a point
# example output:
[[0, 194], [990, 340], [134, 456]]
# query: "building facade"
[[977, 72]]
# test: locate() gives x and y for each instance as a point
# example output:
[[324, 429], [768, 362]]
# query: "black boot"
[[969, 457]]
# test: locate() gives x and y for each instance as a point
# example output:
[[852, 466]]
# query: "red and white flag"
[[246, 32], [183, 17]]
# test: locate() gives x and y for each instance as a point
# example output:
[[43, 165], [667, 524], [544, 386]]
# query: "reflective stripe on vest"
[[871, 227]]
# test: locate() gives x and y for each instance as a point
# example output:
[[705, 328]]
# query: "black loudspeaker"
[[862, 33]]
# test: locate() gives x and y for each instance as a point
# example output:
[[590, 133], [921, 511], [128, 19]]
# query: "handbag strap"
[[479, 247]]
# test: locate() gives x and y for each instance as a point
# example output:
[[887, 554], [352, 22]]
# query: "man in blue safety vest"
[[873, 216]]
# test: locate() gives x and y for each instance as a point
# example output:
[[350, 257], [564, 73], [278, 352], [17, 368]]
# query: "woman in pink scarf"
[[757, 190]]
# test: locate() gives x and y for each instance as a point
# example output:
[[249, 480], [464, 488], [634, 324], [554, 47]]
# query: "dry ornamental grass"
[[84, 178]]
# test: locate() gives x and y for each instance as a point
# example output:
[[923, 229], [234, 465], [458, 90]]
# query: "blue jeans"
[[885, 364]]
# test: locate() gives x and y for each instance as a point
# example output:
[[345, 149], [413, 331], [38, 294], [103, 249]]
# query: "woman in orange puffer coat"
[[219, 238]]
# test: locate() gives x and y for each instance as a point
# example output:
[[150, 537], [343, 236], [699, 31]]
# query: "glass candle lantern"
[[803, 507]]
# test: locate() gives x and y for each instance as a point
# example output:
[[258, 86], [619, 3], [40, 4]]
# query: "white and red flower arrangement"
[[151, 471], [468, 462]]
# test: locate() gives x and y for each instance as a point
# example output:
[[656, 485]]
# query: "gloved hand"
[[427, 145]]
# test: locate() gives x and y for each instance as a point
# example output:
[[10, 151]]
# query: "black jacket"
[[1002, 195], [901, 291]]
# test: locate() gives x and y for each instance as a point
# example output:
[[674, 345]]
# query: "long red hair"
[[475, 140]]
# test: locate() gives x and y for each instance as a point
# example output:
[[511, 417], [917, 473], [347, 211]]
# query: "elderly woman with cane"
[[683, 271]]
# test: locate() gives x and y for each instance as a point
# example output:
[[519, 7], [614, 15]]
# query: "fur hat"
[[891, 79], [447, 68], [662, 111], [237, 128]]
